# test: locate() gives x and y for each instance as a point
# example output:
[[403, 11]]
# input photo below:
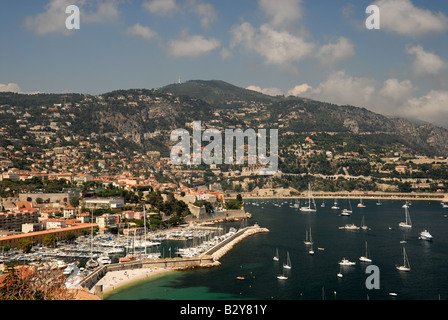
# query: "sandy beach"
[[118, 279]]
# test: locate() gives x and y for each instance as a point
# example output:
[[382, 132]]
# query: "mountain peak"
[[216, 92]]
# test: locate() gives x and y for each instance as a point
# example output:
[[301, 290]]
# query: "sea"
[[315, 277]]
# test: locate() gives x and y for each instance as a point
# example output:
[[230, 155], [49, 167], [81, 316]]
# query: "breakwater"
[[225, 246]]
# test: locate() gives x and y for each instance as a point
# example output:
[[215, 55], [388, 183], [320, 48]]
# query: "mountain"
[[142, 119], [305, 115], [217, 92]]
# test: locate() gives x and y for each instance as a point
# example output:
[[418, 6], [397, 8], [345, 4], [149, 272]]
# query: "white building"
[[105, 203]]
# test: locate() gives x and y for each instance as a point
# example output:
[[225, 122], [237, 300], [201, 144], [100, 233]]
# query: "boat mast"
[[144, 222]]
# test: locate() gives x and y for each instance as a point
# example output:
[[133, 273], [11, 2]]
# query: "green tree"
[[25, 245], [49, 240], [74, 201]]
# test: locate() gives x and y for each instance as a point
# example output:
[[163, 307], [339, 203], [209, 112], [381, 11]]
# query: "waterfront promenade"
[[352, 195]]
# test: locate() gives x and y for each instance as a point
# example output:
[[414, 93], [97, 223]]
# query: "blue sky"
[[319, 49]]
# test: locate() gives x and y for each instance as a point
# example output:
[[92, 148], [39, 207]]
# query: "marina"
[[379, 244]]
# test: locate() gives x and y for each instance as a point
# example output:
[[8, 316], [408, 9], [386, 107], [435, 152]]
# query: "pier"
[[225, 246]]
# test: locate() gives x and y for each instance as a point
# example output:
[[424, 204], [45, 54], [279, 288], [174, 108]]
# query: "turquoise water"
[[315, 277]]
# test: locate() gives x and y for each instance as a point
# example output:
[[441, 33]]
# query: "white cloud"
[[142, 31], [331, 53], [299, 90], [10, 87], [192, 46], [276, 47], [106, 11], [427, 64], [267, 91], [391, 97], [431, 107], [52, 20], [161, 7], [397, 91], [226, 53], [403, 18], [340, 88], [205, 11], [282, 12]]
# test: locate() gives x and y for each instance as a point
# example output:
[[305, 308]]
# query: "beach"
[[119, 279]]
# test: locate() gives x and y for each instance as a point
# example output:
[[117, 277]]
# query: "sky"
[[317, 49]]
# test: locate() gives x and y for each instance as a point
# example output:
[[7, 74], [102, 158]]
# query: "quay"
[[95, 282]]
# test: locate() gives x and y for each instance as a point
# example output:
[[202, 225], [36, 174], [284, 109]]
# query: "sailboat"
[[360, 204], [91, 264], [347, 212], [296, 204], [366, 257], [379, 202], [282, 276], [308, 240], [340, 272], [335, 205], [310, 199], [406, 265], [311, 251], [287, 265], [276, 255], [363, 226], [408, 223]]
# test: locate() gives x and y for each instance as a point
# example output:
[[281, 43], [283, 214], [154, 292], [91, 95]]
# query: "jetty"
[[225, 246]]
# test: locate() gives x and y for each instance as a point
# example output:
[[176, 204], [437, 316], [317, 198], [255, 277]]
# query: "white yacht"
[[104, 259], [349, 226], [345, 212], [345, 262], [425, 235]]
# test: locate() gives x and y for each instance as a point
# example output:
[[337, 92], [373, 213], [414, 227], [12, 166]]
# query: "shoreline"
[[374, 195], [114, 281]]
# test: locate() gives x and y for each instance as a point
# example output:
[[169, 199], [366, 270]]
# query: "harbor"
[[371, 235], [111, 261], [112, 276]]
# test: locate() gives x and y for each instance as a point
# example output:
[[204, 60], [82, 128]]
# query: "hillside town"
[[62, 181]]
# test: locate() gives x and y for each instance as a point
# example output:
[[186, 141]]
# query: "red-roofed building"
[[37, 237]]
